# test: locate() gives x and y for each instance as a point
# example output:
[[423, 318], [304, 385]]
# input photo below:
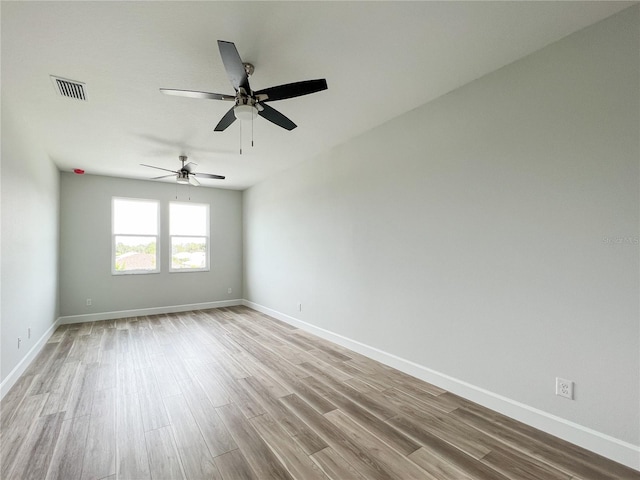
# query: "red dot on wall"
[[78, 171]]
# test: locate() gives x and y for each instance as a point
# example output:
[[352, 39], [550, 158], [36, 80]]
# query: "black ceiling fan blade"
[[234, 66], [227, 120], [163, 176], [159, 168], [195, 94], [209, 175], [276, 117], [291, 90]]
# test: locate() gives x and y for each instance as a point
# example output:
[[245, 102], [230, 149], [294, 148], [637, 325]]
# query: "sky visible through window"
[[135, 217], [188, 219]]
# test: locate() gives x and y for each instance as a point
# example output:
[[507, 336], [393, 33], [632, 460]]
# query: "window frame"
[[157, 236], [207, 239]]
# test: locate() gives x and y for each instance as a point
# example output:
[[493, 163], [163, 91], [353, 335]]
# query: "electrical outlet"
[[229, 290], [29, 332], [19, 342], [564, 388], [88, 302], [299, 307]]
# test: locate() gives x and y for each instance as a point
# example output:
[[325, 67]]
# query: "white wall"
[[85, 253], [468, 236], [29, 252]]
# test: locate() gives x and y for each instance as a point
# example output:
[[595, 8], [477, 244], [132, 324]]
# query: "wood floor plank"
[[233, 466], [449, 453], [247, 404], [334, 466], [58, 334], [42, 382], [80, 347], [9, 406], [100, 452], [35, 457], [92, 353], [154, 414], [446, 427], [394, 462], [275, 388], [255, 450], [68, 457], [85, 329], [425, 402], [339, 440], [196, 459], [165, 380], [292, 455], [132, 460], [519, 467], [207, 377], [82, 391], [60, 391], [365, 401], [107, 368], [164, 460], [368, 420], [15, 433], [215, 434], [293, 425], [436, 467]]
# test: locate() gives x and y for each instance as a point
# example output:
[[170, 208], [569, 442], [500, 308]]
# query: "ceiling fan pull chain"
[[240, 138], [252, 131]]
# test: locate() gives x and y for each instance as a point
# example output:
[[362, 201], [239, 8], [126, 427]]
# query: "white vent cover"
[[69, 88]]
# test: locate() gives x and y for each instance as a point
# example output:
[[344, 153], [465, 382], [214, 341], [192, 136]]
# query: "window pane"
[[188, 252], [188, 219], [135, 253], [135, 217]]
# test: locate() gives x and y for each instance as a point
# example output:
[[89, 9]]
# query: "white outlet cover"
[[564, 388]]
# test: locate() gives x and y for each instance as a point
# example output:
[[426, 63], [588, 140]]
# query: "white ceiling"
[[380, 60]]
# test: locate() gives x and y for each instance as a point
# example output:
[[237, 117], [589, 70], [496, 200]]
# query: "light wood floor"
[[233, 394]]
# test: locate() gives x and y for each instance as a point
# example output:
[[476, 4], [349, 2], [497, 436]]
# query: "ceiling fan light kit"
[[245, 113], [182, 178]]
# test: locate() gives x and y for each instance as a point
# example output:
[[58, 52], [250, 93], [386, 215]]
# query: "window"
[[135, 236], [189, 232]]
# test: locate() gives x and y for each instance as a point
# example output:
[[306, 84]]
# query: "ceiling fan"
[[185, 174], [250, 104]]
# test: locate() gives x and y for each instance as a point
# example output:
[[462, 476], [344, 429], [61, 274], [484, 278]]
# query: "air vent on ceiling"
[[69, 88]]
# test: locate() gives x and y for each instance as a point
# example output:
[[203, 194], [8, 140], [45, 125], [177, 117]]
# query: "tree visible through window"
[[189, 232], [135, 229]]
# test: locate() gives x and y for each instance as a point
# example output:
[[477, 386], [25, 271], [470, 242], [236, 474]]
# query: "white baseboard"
[[94, 317], [605, 445], [20, 368]]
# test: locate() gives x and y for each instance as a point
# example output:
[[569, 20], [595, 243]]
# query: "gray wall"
[[29, 252], [85, 252], [470, 235]]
